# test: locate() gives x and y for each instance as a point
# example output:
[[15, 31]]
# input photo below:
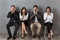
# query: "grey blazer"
[[32, 17]]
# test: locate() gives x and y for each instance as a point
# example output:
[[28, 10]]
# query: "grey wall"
[[5, 7]]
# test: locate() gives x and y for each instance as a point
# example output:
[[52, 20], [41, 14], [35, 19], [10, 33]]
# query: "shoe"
[[26, 32], [49, 38], [38, 36], [52, 36], [22, 37], [33, 36], [9, 37], [14, 38]]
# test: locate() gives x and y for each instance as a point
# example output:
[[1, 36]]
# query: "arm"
[[32, 16], [45, 17], [23, 18], [9, 14], [20, 16], [39, 16], [51, 17]]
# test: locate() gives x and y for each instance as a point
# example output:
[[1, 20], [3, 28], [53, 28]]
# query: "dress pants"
[[39, 28], [10, 25]]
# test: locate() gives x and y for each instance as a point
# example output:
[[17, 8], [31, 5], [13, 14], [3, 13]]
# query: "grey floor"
[[56, 37]]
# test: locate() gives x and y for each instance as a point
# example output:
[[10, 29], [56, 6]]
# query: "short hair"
[[13, 6], [25, 10], [47, 8], [35, 6]]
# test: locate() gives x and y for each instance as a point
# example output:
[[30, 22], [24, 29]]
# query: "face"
[[13, 9], [48, 10], [35, 9], [23, 11]]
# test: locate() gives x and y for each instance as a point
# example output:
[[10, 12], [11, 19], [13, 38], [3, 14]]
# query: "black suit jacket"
[[13, 16]]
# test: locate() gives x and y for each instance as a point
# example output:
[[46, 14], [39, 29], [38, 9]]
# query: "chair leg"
[[45, 33]]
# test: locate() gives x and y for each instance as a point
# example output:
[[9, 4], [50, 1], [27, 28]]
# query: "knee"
[[31, 25], [40, 25]]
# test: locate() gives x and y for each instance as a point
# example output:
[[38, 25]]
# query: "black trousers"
[[49, 26], [10, 25]]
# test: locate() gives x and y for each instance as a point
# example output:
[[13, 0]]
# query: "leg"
[[51, 32], [24, 27], [49, 35], [32, 25], [15, 32], [9, 31], [39, 28], [22, 33]]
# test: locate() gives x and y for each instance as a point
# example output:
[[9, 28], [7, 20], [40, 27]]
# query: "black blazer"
[[13, 16], [32, 17]]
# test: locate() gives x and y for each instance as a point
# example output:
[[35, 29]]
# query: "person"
[[24, 20], [14, 21], [35, 21], [48, 21]]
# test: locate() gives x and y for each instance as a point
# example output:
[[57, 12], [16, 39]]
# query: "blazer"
[[32, 17], [14, 17]]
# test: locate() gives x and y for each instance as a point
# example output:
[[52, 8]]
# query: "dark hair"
[[47, 8], [13, 6], [35, 6], [25, 10]]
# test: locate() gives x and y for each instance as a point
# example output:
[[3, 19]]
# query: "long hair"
[[25, 10], [47, 8]]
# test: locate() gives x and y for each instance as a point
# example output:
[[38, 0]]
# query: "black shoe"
[[38, 36], [9, 37], [33, 36], [14, 38], [49, 38]]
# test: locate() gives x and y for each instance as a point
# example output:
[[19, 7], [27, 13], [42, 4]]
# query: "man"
[[35, 21], [14, 21]]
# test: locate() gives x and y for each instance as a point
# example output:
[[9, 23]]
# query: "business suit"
[[37, 23], [14, 21]]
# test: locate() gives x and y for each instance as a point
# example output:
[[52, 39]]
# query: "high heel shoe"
[[26, 32], [22, 37]]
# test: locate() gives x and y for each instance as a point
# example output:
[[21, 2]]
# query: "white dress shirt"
[[48, 18], [36, 20], [25, 17]]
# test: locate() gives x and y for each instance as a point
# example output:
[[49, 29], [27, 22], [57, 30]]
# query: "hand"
[[35, 12], [23, 16]]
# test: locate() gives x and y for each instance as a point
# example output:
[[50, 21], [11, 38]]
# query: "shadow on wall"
[[55, 20], [18, 9], [41, 13]]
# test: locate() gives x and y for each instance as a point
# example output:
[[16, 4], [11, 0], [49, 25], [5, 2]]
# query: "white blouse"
[[48, 18], [25, 17]]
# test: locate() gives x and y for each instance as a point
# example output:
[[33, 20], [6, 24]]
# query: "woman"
[[24, 20], [48, 21]]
